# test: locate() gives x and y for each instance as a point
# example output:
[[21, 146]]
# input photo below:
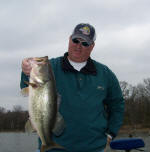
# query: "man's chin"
[[75, 59], [77, 54]]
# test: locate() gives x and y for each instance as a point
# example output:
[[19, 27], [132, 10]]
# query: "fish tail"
[[53, 145]]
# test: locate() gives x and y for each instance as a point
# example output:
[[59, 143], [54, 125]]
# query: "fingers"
[[26, 66], [109, 139]]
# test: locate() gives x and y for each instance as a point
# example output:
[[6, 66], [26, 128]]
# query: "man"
[[91, 100]]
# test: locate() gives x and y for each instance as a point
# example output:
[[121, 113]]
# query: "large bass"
[[44, 117]]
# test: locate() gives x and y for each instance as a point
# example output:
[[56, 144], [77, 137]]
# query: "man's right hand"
[[26, 66]]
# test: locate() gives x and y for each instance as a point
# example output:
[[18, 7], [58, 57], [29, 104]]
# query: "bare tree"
[[127, 89]]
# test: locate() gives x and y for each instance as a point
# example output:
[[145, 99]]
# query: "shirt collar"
[[89, 68]]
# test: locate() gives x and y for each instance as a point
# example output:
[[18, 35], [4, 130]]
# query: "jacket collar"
[[89, 68]]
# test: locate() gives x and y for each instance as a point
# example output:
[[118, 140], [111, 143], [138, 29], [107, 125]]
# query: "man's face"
[[78, 52]]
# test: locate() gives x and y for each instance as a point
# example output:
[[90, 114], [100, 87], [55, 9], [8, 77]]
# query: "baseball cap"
[[84, 31]]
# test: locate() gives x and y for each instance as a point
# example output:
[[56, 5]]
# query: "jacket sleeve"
[[23, 79], [115, 105]]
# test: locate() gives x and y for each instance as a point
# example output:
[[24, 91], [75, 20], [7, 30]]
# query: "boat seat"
[[127, 144]]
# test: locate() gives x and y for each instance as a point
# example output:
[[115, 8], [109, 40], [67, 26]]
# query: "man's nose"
[[79, 45]]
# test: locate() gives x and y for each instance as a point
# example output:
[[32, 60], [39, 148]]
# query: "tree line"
[[13, 120], [137, 109], [137, 104]]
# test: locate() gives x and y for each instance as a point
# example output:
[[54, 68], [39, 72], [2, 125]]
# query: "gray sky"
[[42, 27]]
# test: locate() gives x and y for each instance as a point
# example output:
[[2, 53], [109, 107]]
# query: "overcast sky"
[[42, 27]]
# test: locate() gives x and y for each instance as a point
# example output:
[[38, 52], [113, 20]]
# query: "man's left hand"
[[109, 139]]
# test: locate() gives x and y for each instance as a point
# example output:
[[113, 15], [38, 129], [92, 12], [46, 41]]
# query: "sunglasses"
[[76, 41]]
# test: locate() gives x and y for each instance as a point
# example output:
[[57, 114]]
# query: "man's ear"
[[93, 44]]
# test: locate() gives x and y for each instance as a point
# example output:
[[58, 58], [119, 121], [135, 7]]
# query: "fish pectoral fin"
[[53, 145], [29, 127], [25, 91], [26, 82]]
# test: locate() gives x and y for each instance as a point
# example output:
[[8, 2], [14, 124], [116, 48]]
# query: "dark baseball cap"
[[84, 31]]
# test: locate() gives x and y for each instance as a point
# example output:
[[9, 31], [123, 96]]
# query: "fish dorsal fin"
[[59, 125], [58, 101]]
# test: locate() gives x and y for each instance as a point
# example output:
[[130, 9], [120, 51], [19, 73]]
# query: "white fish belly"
[[41, 111]]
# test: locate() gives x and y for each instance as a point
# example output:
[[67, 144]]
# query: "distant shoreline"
[[123, 130], [9, 131], [132, 130]]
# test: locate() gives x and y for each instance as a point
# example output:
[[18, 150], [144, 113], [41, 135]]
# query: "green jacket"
[[91, 104]]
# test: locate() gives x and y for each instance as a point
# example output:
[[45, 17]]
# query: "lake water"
[[24, 142], [18, 142]]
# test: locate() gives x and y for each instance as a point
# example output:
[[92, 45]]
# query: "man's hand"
[[109, 139], [26, 66]]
